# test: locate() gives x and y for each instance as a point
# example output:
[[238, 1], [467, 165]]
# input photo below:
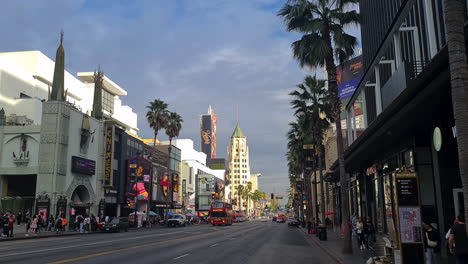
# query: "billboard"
[[214, 119], [219, 189], [162, 186], [175, 187], [206, 134], [348, 76], [139, 171]]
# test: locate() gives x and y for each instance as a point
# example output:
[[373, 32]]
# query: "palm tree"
[[455, 19], [239, 190], [157, 116], [173, 126], [247, 194], [312, 99], [322, 22]]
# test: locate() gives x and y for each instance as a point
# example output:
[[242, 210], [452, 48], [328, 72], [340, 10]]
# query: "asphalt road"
[[249, 242]]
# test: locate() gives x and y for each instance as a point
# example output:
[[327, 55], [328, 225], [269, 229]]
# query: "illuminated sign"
[[83, 166], [108, 156], [214, 120]]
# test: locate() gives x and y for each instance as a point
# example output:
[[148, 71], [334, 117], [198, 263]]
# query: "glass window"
[[107, 101]]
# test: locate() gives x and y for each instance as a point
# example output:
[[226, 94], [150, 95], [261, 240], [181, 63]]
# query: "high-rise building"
[[238, 158], [208, 134]]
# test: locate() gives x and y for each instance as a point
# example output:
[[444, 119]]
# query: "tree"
[[322, 22], [454, 22], [239, 189], [312, 99], [247, 194], [173, 126], [157, 116]]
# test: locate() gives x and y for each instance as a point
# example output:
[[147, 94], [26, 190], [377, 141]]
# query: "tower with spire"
[[97, 100], [58, 83], [239, 165]]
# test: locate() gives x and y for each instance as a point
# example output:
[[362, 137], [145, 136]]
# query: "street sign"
[[308, 146]]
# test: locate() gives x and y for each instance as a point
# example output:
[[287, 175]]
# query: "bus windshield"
[[218, 214]]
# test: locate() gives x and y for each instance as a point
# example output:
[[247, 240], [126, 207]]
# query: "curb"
[[327, 251]]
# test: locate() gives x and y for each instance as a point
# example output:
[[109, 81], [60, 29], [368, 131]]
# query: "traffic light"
[[272, 196], [213, 195]]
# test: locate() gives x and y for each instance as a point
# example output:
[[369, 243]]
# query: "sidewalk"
[[333, 245], [19, 233]]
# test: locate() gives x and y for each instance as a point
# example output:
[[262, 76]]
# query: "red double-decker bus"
[[221, 213]]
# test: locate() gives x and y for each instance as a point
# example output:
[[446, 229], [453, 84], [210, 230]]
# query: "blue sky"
[[189, 53]]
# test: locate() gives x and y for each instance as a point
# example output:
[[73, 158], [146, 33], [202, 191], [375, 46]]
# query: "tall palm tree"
[[455, 20], [313, 99], [239, 190], [157, 116], [322, 22], [173, 126], [247, 194]]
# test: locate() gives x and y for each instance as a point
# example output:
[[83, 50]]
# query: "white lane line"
[[181, 256], [214, 245], [88, 244]]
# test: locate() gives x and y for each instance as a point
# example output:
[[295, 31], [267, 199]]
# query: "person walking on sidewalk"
[[58, 225], [80, 221], [369, 233], [360, 233], [6, 224], [11, 225], [431, 239], [459, 237], [34, 225]]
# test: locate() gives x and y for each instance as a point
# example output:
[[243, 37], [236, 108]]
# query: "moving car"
[[280, 220], [117, 224], [177, 220], [293, 222]]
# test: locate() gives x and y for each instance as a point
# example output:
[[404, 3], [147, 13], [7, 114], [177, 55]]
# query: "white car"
[[177, 220]]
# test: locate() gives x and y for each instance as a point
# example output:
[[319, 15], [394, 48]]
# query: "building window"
[[207, 187], [107, 101]]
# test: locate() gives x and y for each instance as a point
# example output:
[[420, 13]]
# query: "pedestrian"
[[360, 233], [143, 218], [58, 225], [40, 223], [431, 239], [106, 219], [80, 220], [34, 225], [19, 218], [93, 223], [369, 233], [86, 223], [64, 224], [6, 224], [51, 223], [309, 226], [11, 225], [1, 224], [458, 241]]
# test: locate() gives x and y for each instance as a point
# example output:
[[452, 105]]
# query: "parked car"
[[293, 222], [116, 225], [177, 220]]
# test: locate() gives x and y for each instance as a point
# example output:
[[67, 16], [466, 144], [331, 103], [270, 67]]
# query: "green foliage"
[[157, 116]]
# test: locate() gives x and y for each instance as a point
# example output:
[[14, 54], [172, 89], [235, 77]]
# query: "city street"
[[249, 242]]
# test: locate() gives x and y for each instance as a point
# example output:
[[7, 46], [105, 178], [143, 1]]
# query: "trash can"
[[322, 233]]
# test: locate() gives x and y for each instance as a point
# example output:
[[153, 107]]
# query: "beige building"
[[238, 158]]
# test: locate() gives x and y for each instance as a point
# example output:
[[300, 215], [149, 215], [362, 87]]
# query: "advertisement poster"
[[138, 180], [206, 128], [348, 76], [175, 187], [219, 189], [410, 224], [213, 136], [164, 187], [154, 179], [42, 211]]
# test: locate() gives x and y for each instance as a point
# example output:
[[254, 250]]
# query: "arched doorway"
[[80, 200]]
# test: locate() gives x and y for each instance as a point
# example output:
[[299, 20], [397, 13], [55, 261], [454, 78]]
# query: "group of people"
[[365, 233], [41, 223]]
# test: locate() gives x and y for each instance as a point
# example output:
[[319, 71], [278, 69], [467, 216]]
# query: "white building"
[[35, 153]]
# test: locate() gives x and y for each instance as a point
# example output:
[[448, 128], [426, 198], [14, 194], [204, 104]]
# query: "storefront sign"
[[109, 153], [83, 166], [407, 191]]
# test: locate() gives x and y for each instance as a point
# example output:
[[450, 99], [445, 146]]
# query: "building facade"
[[239, 166], [405, 161]]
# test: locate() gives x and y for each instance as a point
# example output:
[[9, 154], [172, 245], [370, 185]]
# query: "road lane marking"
[[214, 245], [129, 248], [181, 256], [88, 244]]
